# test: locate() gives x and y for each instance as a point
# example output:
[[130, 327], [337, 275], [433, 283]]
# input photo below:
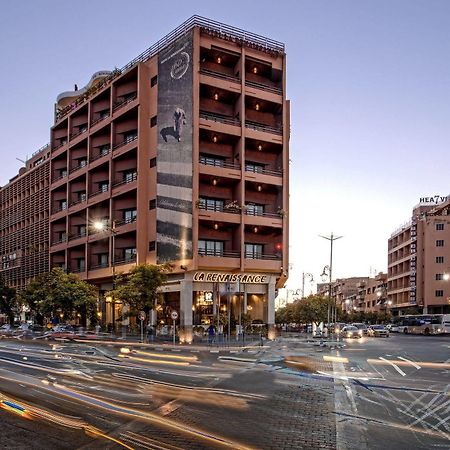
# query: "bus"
[[424, 324]]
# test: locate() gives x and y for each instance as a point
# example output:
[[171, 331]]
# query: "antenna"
[[21, 160]]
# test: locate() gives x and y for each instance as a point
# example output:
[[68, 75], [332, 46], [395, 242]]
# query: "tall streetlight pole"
[[330, 238]]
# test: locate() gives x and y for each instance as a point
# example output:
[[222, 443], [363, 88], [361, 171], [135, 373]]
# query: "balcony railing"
[[100, 191], [262, 256], [124, 102], [77, 202], [99, 119], [60, 240], [60, 177], [80, 166], [264, 87], [77, 236], [101, 155], [59, 145], [252, 212], [254, 169], [99, 266], [126, 181], [119, 223], [58, 209], [219, 253], [127, 260], [125, 142], [77, 133], [219, 163], [220, 75], [214, 117], [78, 270], [262, 127]]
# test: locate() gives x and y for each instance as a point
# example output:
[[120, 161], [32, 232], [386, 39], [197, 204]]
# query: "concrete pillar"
[[271, 309], [186, 291]]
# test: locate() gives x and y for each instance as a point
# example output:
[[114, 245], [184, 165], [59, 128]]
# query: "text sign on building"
[[174, 156], [215, 277], [434, 199], [413, 263]]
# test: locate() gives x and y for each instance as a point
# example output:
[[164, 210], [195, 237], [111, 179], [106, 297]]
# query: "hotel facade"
[[419, 260], [183, 156]]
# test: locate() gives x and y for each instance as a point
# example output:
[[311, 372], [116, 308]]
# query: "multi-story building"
[[372, 295], [24, 222], [419, 261], [183, 156]]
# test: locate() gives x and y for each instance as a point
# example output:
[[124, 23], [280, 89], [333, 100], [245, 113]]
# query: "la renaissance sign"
[[216, 277]]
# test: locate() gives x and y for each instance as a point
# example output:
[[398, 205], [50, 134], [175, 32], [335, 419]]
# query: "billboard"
[[174, 153]]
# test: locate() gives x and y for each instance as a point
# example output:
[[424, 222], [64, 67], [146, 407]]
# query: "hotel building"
[[24, 225], [183, 155], [419, 261]]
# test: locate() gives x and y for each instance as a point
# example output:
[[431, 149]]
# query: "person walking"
[[211, 334], [150, 333]]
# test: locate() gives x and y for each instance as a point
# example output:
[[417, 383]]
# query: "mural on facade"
[[174, 156]]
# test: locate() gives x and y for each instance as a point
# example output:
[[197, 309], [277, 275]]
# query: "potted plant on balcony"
[[281, 212], [233, 206]]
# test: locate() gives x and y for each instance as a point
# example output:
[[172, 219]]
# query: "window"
[[152, 246], [104, 114], [103, 186], [81, 196], [210, 248], [81, 230], [130, 136], [103, 260], [254, 209], [439, 226], [61, 236], [154, 81], [152, 203], [439, 259], [129, 97], [440, 243], [253, 167], [104, 150], [153, 121], [211, 204], [82, 162], [129, 176], [81, 264], [254, 251], [130, 253], [439, 276], [212, 160], [82, 128], [62, 205], [129, 215], [62, 172], [153, 162], [439, 293]]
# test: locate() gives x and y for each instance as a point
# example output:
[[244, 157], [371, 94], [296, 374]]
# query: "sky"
[[368, 82]]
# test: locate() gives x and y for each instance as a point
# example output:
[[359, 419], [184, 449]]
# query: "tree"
[[139, 288], [313, 309], [8, 304], [58, 292]]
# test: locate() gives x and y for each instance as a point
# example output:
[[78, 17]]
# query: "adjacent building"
[[419, 260], [183, 156], [24, 222]]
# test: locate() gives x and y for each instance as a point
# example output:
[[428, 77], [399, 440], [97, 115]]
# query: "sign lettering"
[[216, 277]]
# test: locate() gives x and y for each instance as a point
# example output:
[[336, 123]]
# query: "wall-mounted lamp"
[[214, 139], [255, 69], [255, 229], [249, 307], [214, 182], [216, 96], [257, 107], [219, 60], [216, 226], [259, 147], [259, 188]]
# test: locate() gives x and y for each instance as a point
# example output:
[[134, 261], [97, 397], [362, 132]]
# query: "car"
[[361, 326], [350, 331], [61, 332], [6, 330], [378, 331]]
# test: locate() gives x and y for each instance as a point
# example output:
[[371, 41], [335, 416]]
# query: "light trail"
[[167, 356], [153, 361], [432, 365], [400, 371], [410, 362]]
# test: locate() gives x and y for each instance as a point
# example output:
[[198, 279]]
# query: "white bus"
[[424, 324]]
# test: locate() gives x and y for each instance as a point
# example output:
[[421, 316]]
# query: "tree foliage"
[[8, 304], [139, 288], [57, 292]]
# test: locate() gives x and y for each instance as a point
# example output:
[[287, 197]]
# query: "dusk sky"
[[369, 84]]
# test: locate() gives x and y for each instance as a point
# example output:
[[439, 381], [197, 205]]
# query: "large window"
[[439, 276], [210, 248], [211, 204], [254, 251], [439, 226], [440, 243], [130, 253], [129, 215], [439, 293], [212, 160], [254, 209], [129, 176], [254, 167]]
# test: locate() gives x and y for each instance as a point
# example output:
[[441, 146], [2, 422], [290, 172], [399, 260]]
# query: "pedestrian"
[[211, 333], [150, 333]]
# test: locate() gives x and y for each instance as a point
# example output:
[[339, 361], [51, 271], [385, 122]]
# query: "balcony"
[[262, 127], [79, 166], [78, 202], [263, 171], [120, 223], [61, 240], [125, 142], [222, 76], [122, 103], [220, 118], [61, 144], [99, 266], [127, 260], [219, 253], [78, 133], [128, 179], [264, 87], [104, 152], [214, 162], [77, 236], [100, 119]]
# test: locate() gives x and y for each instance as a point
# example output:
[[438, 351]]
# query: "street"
[[292, 393]]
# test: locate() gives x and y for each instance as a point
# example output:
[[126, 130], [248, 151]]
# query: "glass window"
[[439, 226], [210, 248], [439, 293], [82, 230], [211, 204], [130, 253], [439, 259], [254, 251], [81, 196], [254, 209], [81, 264], [440, 243], [103, 186], [129, 176], [104, 150], [103, 259], [130, 136], [63, 205], [212, 160], [254, 167], [439, 276], [129, 215]]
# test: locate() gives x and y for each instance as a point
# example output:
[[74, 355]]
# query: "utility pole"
[[330, 238]]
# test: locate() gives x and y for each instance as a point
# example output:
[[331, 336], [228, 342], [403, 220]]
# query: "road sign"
[[142, 315], [174, 315]]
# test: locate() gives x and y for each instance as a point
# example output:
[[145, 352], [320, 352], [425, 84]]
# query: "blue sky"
[[368, 81]]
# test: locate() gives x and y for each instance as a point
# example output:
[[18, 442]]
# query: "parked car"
[[361, 326], [350, 331], [61, 332], [378, 331]]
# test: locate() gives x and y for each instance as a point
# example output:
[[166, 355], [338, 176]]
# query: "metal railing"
[[77, 236], [77, 202], [214, 117], [222, 76], [128, 260], [100, 119], [60, 177], [126, 181], [80, 166], [253, 212], [101, 191], [124, 102], [39, 150], [219, 253], [273, 257], [60, 241], [78, 270], [264, 87], [209, 26], [219, 163], [119, 223], [277, 173], [56, 147], [74, 135], [125, 142], [101, 155], [98, 266], [262, 127]]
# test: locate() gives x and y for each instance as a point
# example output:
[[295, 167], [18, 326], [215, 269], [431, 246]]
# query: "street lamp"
[[102, 226]]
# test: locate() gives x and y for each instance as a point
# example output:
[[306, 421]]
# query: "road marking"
[[410, 362], [400, 371]]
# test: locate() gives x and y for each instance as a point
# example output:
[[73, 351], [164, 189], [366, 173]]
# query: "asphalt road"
[[292, 394]]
